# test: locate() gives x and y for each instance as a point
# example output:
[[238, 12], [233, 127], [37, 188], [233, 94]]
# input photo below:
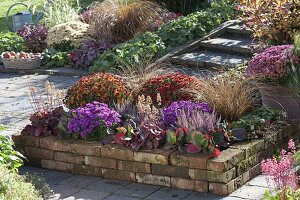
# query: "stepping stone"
[[80, 181], [108, 185], [88, 195], [232, 44], [169, 194], [237, 29], [249, 192], [138, 190], [211, 59]]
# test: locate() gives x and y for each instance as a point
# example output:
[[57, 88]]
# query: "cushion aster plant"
[[272, 64]]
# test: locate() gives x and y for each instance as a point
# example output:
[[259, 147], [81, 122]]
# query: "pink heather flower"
[[273, 62], [291, 145]]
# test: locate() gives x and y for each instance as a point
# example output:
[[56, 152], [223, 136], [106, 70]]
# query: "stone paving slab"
[[105, 185]]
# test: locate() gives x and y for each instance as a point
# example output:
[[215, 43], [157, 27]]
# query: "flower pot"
[[282, 98]]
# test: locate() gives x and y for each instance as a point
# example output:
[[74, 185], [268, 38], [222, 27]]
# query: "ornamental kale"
[[272, 63], [170, 113], [88, 52], [34, 36], [93, 120]]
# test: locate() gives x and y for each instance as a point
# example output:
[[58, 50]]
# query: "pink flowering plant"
[[273, 63], [281, 171]]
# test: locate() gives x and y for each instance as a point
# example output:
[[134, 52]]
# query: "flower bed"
[[198, 172]]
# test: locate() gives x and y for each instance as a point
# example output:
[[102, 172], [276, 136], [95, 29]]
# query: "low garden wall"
[[222, 175]]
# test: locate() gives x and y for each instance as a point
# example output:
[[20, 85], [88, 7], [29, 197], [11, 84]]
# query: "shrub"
[[230, 97], [93, 120], [34, 37], [13, 186], [8, 156], [39, 184], [273, 22], [101, 87], [171, 113], [131, 52], [53, 58], [67, 36], [88, 52], [11, 42], [59, 12], [171, 87], [182, 6], [120, 20], [272, 64]]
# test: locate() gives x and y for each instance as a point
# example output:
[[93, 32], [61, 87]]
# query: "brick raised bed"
[[223, 175]]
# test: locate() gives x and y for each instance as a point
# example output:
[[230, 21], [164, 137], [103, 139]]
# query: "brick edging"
[[223, 175]]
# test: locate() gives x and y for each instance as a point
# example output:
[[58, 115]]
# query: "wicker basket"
[[16, 63]]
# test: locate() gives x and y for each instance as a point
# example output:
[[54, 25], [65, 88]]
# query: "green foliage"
[[14, 187], [53, 58], [196, 24], [255, 119], [187, 28], [11, 42], [9, 156], [130, 53], [291, 195]]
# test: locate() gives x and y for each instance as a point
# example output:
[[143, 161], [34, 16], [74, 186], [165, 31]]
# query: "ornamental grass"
[[121, 20], [101, 87], [230, 97]]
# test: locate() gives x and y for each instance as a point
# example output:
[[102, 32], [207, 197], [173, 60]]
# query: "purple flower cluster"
[[91, 116], [170, 113], [89, 50], [34, 37], [272, 63]]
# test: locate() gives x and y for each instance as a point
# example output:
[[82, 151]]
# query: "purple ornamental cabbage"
[[34, 37], [272, 63], [171, 113], [91, 116]]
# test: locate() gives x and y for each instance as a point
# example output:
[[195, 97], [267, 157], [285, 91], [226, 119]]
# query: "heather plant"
[[88, 52], [101, 87], [93, 120], [229, 96], [34, 37], [281, 170], [273, 22], [119, 21], [172, 112]]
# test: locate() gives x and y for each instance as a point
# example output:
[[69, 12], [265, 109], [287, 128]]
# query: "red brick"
[[48, 164], [168, 170], [198, 174], [101, 162], [86, 148], [134, 166], [157, 156], [118, 174], [86, 170], [221, 177], [62, 166], [69, 158], [26, 140], [55, 144], [250, 148], [116, 152], [39, 153], [197, 161], [254, 171], [153, 179]]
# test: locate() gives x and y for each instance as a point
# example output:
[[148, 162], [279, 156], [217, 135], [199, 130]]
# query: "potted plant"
[[277, 71]]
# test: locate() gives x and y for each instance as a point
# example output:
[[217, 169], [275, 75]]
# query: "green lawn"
[[5, 4]]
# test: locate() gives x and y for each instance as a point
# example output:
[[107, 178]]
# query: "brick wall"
[[223, 175]]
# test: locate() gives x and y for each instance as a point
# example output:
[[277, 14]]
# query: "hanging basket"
[[281, 97]]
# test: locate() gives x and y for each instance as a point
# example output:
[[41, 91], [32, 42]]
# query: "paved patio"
[[14, 113]]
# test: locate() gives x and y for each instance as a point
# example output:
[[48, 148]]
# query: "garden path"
[[14, 113]]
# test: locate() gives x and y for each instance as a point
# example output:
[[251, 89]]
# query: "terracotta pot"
[[282, 98]]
